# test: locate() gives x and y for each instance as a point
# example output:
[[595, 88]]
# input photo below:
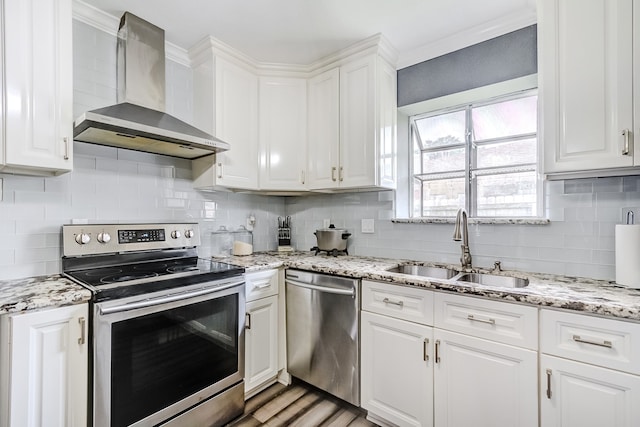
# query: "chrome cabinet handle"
[[489, 321], [425, 356], [302, 177], [548, 383], [82, 324], [263, 286], [333, 173], [247, 324], [626, 134], [437, 351], [605, 343], [66, 148], [341, 174], [219, 170], [388, 301]]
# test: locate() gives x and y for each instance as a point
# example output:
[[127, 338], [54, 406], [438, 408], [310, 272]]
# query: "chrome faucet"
[[461, 232]]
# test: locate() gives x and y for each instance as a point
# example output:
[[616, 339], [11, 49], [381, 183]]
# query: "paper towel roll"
[[628, 255]]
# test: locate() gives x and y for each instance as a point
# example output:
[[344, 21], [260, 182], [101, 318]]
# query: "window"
[[481, 157]]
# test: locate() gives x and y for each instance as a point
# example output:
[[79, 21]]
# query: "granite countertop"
[[40, 292], [583, 295]]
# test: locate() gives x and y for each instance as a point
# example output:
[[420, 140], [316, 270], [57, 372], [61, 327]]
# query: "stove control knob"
[[188, 234], [104, 237], [83, 238], [175, 234]]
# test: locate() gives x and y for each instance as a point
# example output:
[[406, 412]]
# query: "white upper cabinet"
[[586, 82], [226, 105], [324, 130], [283, 133], [352, 126], [38, 87]]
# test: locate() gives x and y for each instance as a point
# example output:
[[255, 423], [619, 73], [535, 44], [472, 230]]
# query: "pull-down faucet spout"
[[461, 232]]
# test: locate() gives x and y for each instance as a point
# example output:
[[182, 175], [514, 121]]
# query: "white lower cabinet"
[[397, 354], [486, 370], [483, 383], [445, 360], [588, 371], [44, 368], [575, 394], [263, 331], [397, 370], [261, 342]]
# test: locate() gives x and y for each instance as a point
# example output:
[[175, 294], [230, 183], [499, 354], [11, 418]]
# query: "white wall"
[[113, 185]]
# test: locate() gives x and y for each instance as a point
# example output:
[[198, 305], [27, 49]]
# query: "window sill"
[[515, 221]]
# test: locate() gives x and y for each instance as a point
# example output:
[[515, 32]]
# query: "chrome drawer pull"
[[425, 356], [606, 344], [263, 286], [388, 301], [473, 319], [548, 383]]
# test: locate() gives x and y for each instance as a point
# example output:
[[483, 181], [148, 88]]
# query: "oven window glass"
[[161, 358]]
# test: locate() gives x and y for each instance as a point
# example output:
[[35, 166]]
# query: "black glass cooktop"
[[143, 277]]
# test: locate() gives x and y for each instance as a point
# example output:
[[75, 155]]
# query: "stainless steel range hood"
[[138, 121]]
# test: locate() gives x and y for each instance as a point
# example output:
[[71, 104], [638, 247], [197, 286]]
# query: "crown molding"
[[468, 37], [108, 23]]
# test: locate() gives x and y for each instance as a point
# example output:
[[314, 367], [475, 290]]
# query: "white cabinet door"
[[324, 130], [367, 124], [261, 342], [226, 100], [357, 122], [38, 87], [574, 394], [586, 64], [482, 383], [283, 133], [397, 370], [47, 368]]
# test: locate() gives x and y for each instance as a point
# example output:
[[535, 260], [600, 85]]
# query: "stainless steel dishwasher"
[[323, 323]]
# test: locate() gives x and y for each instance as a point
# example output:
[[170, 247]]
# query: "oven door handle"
[[350, 292], [169, 298]]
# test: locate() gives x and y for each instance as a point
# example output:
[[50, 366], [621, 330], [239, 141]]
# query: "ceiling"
[[303, 31]]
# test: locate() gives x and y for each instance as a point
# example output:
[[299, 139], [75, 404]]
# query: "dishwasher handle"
[[350, 292]]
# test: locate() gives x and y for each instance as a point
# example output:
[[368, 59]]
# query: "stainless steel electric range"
[[167, 327]]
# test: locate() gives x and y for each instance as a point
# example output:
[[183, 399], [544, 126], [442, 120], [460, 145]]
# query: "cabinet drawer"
[[261, 284], [610, 343], [402, 302], [493, 320]]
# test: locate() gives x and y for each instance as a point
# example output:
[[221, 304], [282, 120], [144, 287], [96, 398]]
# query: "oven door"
[[159, 356]]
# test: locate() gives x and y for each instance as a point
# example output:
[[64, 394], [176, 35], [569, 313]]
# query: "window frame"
[[470, 157]]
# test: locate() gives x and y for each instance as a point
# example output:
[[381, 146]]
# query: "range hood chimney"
[[138, 120]]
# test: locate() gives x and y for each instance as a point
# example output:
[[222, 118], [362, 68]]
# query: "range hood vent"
[[138, 121]]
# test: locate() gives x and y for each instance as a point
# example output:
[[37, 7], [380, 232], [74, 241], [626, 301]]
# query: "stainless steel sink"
[[424, 271], [493, 280]]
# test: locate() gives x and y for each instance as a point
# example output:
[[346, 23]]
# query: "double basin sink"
[[448, 274]]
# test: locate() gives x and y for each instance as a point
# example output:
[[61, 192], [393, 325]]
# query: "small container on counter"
[[227, 242]]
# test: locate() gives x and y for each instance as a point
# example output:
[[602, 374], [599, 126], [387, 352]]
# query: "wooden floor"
[[299, 405]]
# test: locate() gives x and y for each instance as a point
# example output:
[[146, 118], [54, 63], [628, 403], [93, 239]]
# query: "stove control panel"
[[96, 239]]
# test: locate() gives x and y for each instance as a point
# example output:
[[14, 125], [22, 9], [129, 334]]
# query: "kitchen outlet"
[[368, 226], [326, 223]]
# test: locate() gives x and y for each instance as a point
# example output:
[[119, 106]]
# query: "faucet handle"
[[497, 266]]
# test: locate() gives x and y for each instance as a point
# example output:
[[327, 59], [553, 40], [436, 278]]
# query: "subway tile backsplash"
[[112, 185]]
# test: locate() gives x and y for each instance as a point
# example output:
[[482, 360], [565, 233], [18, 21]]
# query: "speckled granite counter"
[[40, 292], [578, 294]]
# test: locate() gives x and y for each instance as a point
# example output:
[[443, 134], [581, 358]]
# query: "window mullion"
[[469, 202]]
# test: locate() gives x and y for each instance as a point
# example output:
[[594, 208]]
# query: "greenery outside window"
[[482, 157]]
